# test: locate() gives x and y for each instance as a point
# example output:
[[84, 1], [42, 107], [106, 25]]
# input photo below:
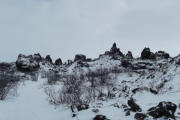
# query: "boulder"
[[140, 116], [27, 63], [162, 55], [100, 117], [58, 61], [163, 109], [133, 106], [80, 57], [48, 59], [129, 55], [147, 54]]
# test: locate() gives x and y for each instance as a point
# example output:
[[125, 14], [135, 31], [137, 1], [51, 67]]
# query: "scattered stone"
[[163, 109], [95, 110], [140, 116], [128, 113], [82, 107], [133, 106], [74, 115], [153, 91]]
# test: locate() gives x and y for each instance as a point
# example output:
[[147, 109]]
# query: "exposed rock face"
[[100, 117], [140, 116], [133, 106], [147, 54], [162, 55], [80, 57], [129, 55], [27, 63], [163, 109], [58, 61], [48, 58], [114, 52]]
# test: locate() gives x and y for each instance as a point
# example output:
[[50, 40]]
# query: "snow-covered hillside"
[[113, 86]]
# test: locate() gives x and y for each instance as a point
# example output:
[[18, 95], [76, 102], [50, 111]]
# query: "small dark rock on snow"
[[140, 116], [100, 117], [82, 107]]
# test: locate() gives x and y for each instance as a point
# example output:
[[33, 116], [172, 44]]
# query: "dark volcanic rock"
[[27, 63], [37, 57], [147, 54], [4, 66], [126, 63], [134, 107], [69, 62], [140, 116], [163, 109], [100, 117], [80, 57], [162, 55], [115, 51], [58, 61], [129, 55], [82, 107], [48, 58]]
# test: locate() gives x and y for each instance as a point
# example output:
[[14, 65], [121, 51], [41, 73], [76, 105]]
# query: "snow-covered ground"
[[31, 103]]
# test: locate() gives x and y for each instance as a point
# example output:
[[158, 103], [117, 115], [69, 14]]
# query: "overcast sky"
[[63, 28]]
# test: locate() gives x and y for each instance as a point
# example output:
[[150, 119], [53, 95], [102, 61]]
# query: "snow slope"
[[31, 104]]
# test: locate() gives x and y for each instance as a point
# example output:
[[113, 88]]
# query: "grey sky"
[[63, 28]]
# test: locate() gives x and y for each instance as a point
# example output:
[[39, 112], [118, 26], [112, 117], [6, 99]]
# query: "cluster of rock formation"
[[31, 62]]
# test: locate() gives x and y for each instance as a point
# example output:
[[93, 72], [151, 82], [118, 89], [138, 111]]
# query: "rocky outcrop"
[[162, 55], [27, 63], [48, 59], [163, 109], [58, 61], [80, 57], [129, 55], [147, 54], [115, 52]]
